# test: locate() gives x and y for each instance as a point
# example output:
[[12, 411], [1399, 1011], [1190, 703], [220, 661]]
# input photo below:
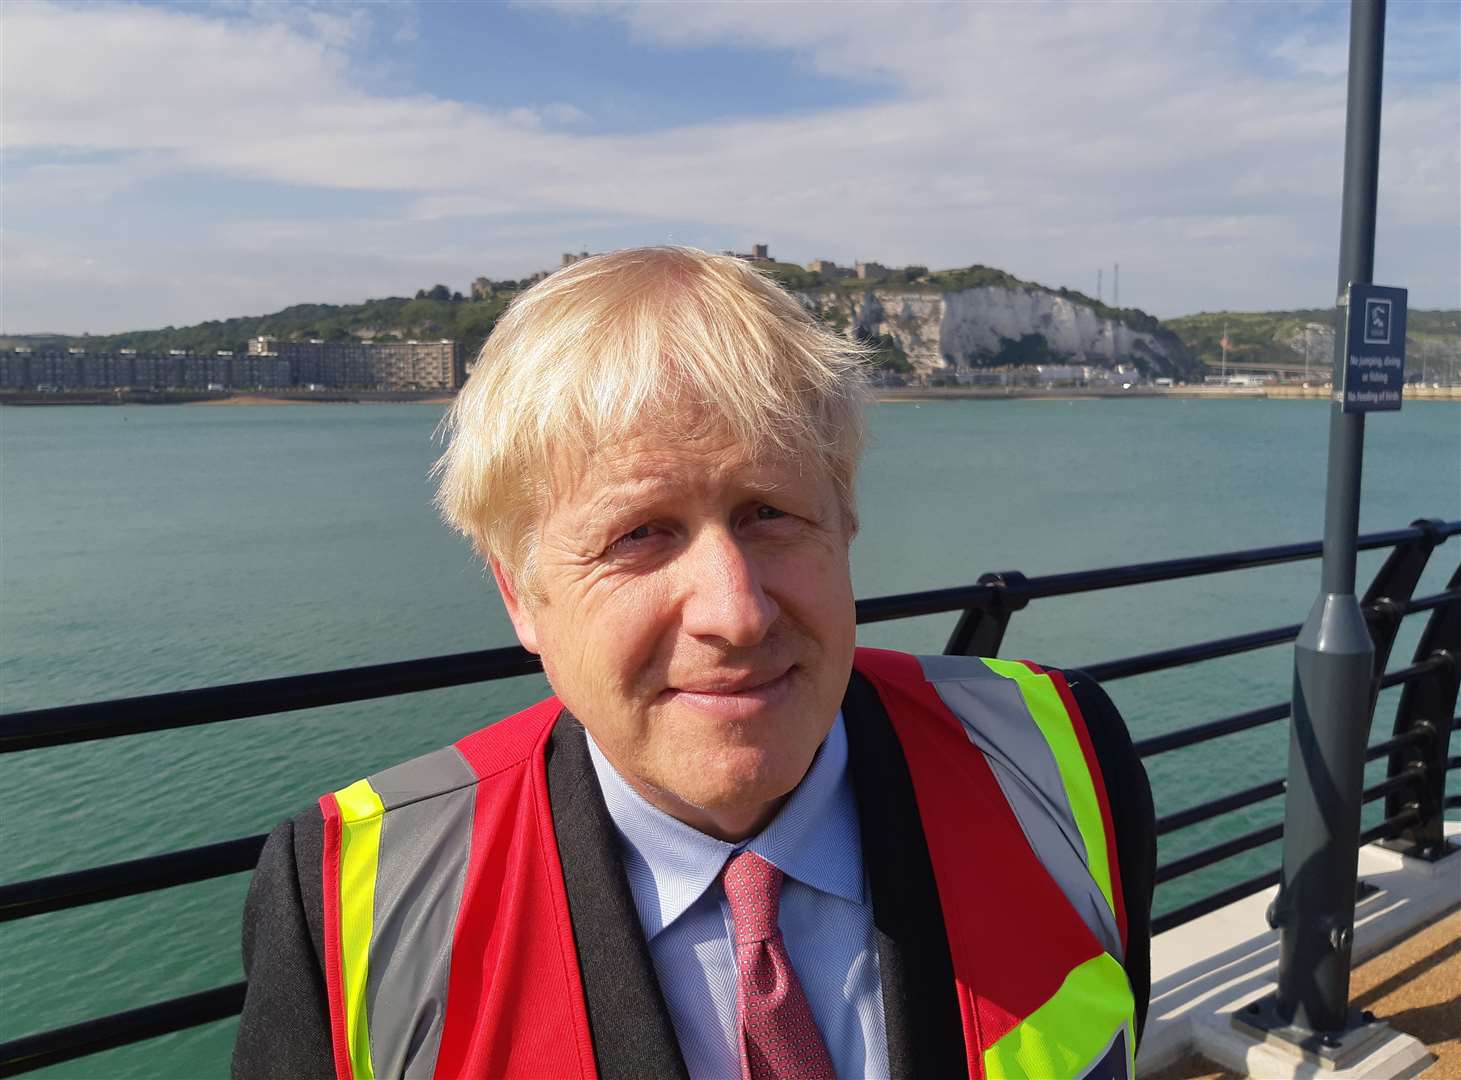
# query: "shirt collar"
[[814, 839]]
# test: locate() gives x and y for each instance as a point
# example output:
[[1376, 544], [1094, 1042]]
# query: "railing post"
[[1333, 656], [1385, 600], [1427, 704], [980, 631]]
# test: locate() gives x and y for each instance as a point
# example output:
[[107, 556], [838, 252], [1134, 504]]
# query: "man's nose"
[[723, 594]]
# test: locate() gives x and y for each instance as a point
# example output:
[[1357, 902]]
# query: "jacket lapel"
[[632, 1032], [925, 1033]]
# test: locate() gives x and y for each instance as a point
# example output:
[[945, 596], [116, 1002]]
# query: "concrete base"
[[1206, 971], [1367, 1047]]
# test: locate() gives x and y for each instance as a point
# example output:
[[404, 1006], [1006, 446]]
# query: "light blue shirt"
[[826, 916]]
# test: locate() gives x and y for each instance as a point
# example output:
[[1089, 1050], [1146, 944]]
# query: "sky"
[[164, 164]]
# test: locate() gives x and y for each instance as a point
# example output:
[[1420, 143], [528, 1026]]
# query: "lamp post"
[[1333, 656]]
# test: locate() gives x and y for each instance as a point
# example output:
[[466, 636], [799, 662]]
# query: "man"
[[731, 844]]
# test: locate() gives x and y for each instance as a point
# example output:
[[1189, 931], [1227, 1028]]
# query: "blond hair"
[[614, 342]]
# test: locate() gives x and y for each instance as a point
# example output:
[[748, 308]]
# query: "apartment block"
[[268, 363]]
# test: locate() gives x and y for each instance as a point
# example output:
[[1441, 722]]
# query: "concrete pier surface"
[[1415, 986], [1407, 956]]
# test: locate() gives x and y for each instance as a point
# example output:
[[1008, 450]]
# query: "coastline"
[[1077, 393], [29, 398], [915, 394]]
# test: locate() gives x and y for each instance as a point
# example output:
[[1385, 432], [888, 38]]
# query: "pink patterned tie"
[[779, 1038]]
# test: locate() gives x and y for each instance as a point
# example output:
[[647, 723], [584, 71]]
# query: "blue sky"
[[205, 160]]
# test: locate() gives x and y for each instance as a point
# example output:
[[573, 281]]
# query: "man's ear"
[[518, 611]]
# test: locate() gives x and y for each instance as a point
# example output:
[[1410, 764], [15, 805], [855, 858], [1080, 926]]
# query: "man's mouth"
[[734, 696]]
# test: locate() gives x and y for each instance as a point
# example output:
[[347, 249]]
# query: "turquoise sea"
[[150, 549]]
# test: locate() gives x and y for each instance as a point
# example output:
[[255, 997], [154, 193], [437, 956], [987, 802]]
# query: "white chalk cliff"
[[941, 331]]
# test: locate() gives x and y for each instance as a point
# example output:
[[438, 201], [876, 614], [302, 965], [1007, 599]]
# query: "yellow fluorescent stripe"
[[360, 815], [1043, 701], [1067, 1033]]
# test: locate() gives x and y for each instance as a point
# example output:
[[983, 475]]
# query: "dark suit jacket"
[[285, 1029]]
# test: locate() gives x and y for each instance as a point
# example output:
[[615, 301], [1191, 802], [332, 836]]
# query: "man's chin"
[[740, 781]]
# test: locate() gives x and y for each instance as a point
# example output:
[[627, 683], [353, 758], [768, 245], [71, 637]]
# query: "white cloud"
[[1048, 143]]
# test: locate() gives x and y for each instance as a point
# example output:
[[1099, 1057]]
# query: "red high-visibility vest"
[[449, 949]]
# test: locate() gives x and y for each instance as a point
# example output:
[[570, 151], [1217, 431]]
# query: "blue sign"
[[1374, 349]]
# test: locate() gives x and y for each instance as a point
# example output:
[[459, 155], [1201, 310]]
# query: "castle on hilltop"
[[484, 288]]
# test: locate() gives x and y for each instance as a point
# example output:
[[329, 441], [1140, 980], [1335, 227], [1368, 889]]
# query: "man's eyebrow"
[[615, 500], [612, 502]]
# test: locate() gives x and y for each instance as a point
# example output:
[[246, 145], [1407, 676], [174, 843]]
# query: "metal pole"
[[1333, 655]]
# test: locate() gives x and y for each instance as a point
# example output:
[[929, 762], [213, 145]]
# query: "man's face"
[[693, 608]]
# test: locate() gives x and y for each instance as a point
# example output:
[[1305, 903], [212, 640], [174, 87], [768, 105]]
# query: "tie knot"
[[753, 888]]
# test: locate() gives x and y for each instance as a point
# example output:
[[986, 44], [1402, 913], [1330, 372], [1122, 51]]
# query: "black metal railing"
[[1417, 747]]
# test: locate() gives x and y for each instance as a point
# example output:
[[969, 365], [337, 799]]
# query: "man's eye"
[[768, 513], [634, 535]]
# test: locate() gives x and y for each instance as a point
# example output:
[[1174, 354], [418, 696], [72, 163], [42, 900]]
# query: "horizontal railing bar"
[[177, 1014], [1188, 654], [115, 880], [1212, 729], [64, 725], [1380, 749], [904, 605], [1218, 852], [959, 598], [1162, 660], [119, 1029], [1172, 569], [1451, 802], [1268, 879], [1389, 826], [1210, 903], [1414, 671], [877, 609], [91, 1036], [1237, 800], [1217, 807], [185, 708], [1426, 603], [1413, 775], [70, 724]]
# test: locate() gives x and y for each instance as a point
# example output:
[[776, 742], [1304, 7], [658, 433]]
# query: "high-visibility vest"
[[449, 949]]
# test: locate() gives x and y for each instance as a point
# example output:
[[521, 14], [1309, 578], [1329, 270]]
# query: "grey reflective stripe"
[[425, 843], [420, 778], [992, 711], [940, 668]]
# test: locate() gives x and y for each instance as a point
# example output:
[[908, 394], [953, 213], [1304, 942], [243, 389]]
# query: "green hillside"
[[1264, 337], [1268, 337], [395, 318]]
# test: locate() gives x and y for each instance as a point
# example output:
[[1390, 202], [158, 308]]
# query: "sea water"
[[145, 549]]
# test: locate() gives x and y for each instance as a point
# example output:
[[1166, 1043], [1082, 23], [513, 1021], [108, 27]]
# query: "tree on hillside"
[[438, 292]]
